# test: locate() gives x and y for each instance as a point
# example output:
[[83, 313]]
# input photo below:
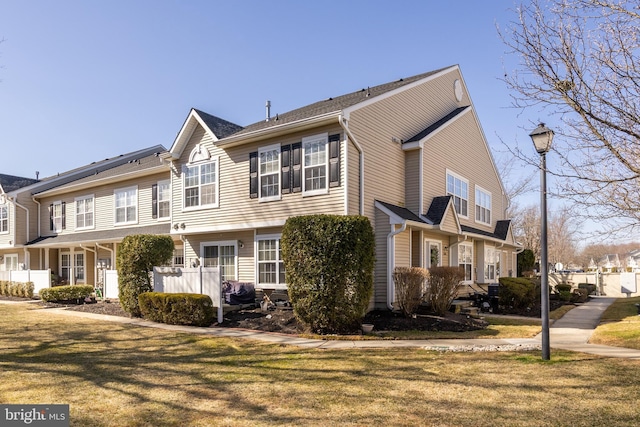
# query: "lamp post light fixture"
[[542, 137]]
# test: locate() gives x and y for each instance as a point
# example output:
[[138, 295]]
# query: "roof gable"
[[437, 126], [215, 127], [10, 183]]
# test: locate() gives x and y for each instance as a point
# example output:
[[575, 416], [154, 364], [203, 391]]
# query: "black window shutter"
[[253, 175], [285, 156], [64, 215], [154, 201], [334, 161], [296, 154], [51, 217]]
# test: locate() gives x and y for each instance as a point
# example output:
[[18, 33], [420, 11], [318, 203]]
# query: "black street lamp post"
[[542, 137]]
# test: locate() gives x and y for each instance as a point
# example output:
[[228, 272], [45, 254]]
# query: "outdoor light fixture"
[[542, 137]]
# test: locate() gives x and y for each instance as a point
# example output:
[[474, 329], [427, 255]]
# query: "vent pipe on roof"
[[37, 175], [268, 105]]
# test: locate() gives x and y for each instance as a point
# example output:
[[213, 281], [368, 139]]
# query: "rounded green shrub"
[[137, 255], [329, 270], [177, 309], [563, 287], [66, 293], [517, 292]]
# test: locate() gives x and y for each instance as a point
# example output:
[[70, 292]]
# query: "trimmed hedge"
[[563, 287], [591, 288], [137, 255], [329, 270], [16, 289], [516, 292], [66, 293], [177, 309]]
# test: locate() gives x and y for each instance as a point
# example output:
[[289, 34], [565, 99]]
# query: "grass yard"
[[120, 375], [620, 325]]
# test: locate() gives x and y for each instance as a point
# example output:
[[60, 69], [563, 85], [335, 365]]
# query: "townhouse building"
[[409, 154]]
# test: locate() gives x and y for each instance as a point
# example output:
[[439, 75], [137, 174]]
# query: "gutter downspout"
[[344, 123], [390, 258]]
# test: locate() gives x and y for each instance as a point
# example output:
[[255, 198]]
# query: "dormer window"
[[200, 179]]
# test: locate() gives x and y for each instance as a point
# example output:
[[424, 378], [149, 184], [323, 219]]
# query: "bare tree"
[[562, 231], [578, 62]]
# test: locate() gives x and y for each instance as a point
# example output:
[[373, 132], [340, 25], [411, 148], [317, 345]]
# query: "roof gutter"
[[344, 123]]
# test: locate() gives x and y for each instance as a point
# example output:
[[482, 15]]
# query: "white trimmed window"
[[164, 199], [483, 206], [491, 263], [223, 255], [57, 216], [84, 212], [465, 260], [201, 185], [72, 264], [269, 172], [126, 205], [458, 187], [4, 219], [270, 265], [10, 262], [315, 165]]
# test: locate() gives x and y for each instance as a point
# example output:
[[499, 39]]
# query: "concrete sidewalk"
[[571, 332]]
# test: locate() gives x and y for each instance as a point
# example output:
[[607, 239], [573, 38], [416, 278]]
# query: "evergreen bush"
[[177, 309], [329, 268], [517, 292], [66, 293], [137, 255]]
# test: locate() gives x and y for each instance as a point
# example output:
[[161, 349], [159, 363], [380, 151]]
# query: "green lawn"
[[620, 325], [122, 375]]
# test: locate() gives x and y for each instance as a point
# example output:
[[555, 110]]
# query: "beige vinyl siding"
[[416, 248], [412, 180], [401, 116], [104, 205], [449, 223], [382, 230], [402, 249], [246, 269], [461, 149], [20, 215], [353, 159], [236, 208]]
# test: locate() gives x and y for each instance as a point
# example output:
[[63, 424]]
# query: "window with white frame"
[[164, 199], [269, 172], [84, 212], [270, 264], [315, 165], [220, 254], [491, 262], [465, 260], [72, 264], [57, 216], [458, 187], [201, 185], [483, 206], [10, 262], [4, 219], [126, 205]]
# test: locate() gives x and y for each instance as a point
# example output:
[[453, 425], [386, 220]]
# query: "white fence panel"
[[111, 283], [41, 278]]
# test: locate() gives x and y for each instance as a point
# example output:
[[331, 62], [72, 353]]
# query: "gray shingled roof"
[[403, 213], [115, 234], [499, 233], [131, 166], [333, 104], [221, 128], [436, 125], [11, 182], [438, 208]]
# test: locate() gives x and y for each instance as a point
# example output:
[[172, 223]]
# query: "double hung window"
[[201, 185], [126, 205], [458, 187], [315, 165], [4, 219], [84, 212], [270, 265], [465, 260], [269, 171], [483, 206]]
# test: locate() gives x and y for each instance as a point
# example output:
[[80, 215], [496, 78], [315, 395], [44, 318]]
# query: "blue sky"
[[85, 80]]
